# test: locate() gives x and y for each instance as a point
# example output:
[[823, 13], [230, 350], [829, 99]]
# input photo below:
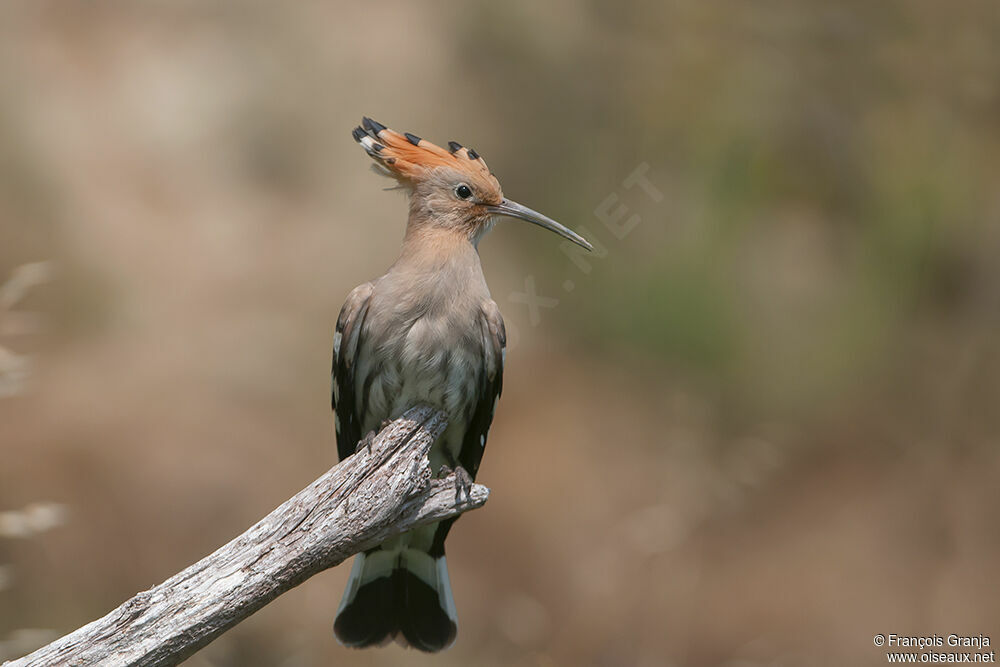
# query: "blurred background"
[[758, 427]]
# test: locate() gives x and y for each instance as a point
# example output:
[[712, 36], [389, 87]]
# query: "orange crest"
[[409, 158]]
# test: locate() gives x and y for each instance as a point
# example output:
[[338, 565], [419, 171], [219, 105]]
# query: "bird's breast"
[[434, 359]]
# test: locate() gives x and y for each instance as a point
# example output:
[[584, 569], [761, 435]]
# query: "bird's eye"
[[463, 191]]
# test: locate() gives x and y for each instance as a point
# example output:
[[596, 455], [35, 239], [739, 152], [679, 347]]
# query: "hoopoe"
[[425, 332]]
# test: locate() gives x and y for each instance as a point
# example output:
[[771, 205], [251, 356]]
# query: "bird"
[[425, 332]]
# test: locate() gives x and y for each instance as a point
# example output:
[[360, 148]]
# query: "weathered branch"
[[379, 492]]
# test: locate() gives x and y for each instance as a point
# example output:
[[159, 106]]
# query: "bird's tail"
[[401, 594]]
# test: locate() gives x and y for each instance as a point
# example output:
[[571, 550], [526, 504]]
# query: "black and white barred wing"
[[346, 345], [494, 344]]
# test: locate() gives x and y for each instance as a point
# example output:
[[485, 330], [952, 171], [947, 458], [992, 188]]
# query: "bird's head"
[[451, 188]]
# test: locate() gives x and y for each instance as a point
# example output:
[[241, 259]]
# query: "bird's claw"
[[463, 484], [365, 442]]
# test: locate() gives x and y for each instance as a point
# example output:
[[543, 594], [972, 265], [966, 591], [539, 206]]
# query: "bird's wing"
[[346, 344], [490, 385]]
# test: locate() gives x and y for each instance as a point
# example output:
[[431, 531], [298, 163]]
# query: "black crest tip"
[[372, 126], [412, 138], [473, 155], [357, 133], [454, 146]]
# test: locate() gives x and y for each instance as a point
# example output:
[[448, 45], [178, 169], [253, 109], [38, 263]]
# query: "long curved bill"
[[514, 210]]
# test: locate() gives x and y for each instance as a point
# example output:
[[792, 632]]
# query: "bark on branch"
[[379, 492]]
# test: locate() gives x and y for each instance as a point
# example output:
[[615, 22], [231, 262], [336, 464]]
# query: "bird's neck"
[[437, 271], [429, 249]]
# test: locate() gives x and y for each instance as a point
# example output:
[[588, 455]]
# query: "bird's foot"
[[463, 484], [365, 442], [463, 481]]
